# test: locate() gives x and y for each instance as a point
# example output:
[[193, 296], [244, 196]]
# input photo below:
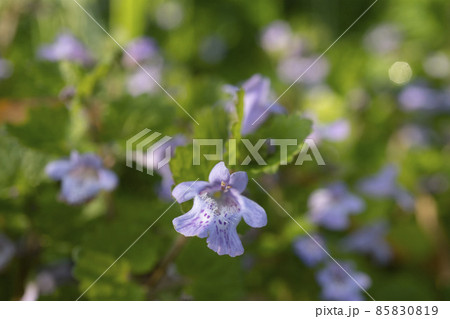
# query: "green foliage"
[[210, 277], [45, 130], [279, 127]]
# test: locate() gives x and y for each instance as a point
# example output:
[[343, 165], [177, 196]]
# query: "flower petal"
[[194, 222], [187, 190], [239, 181], [225, 241], [107, 179], [57, 169], [253, 214], [78, 190], [219, 173]]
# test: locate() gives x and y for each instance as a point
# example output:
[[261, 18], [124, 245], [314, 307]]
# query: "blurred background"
[[379, 101]]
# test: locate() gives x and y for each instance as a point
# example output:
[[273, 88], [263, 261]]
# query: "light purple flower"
[[7, 251], [141, 83], [276, 37], [66, 47], [311, 71], [309, 251], [6, 69], [141, 49], [48, 280], [82, 177], [418, 97], [218, 209], [338, 285], [370, 240], [256, 102], [335, 131], [153, 157], [332, 206], [383, 39], [385, 185]]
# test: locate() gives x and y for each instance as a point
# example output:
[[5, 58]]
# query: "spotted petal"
[[195, 222]]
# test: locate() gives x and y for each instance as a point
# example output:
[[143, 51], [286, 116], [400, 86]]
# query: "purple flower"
[[141, 49], [370, 240], [48, 280], [66, 47], [7, 251], [383, 39], [256, 102], [6, 69], [218, 209], [335, 131], [276, 37], [420, 97], [331, 206], [338, 285], [309, 251], [141, 83], [82, 177], [155, 156], [314, 72], [385, 185]]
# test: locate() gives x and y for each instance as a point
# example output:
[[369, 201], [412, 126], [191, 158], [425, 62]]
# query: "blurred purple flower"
[[7, 251], [338, 285], [141, 83], [412, 135], [256, 102], [276, 37], [48, 279], [141, 49], [82, 177], [308, 250], [309, 71], [370, 240], [155, 156], [331, 206], [6, 69], [383, 39], [385, 185], [418, 97], [335, 131], [218, 209], [66, 47]]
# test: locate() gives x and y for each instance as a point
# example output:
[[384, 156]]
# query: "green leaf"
[[45, 129], [22, 168], [278, 127], [213, 125], [115, 284], [209, 276], [127, 116]]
